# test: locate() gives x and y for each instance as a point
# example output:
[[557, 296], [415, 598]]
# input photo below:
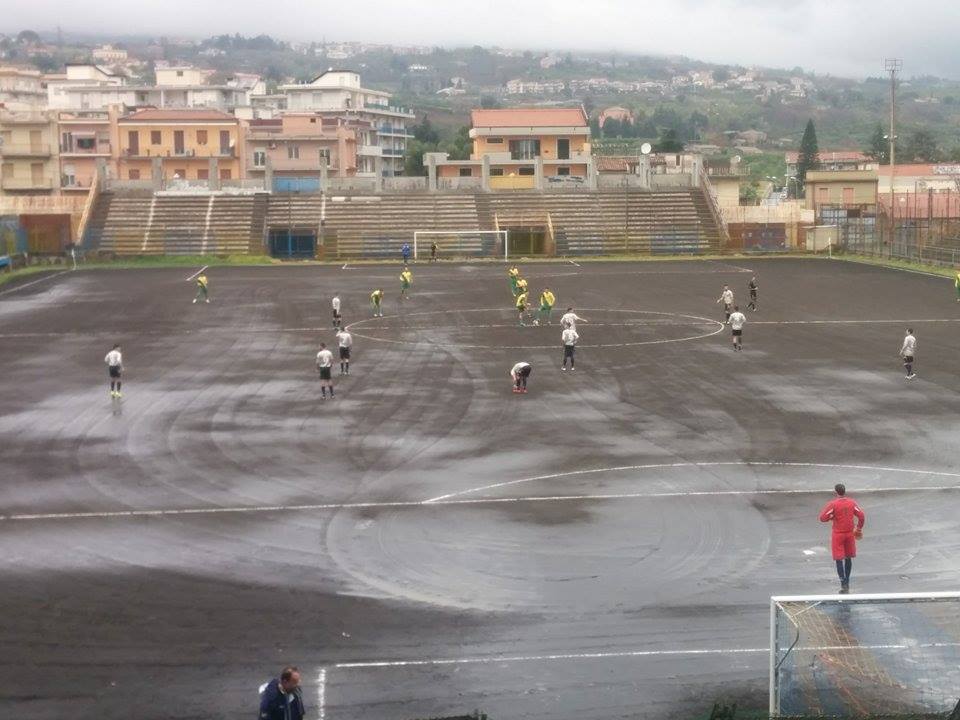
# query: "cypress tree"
[[809, 154]]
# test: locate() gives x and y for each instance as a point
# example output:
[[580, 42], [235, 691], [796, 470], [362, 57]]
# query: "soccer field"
[[428, 542]]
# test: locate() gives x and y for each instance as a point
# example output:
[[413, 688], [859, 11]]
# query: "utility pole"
[[893, 66]]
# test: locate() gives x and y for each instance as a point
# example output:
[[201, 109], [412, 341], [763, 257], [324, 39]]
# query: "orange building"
[[300, 144], [186, 143], [84, 141], [525, 148]]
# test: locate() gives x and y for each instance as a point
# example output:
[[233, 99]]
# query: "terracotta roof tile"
[[157, 114], [529, 117]]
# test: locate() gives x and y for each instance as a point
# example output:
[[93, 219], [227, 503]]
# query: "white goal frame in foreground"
[[781, 620], [504, 235]]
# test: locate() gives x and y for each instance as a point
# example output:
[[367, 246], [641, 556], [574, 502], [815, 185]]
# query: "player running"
[[547, 301], [570, 319], [513, 274], [569, 339], [519, 374], [203, 290], [521, 306], [324, 365], [376, 300], [752, 286], [737, 321], [406, 279], [114, 361], [843, 541], [345, 342], [908, 351], [335, 304], [726, 297]]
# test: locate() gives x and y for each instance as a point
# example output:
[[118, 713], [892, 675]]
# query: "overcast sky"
[[840, 37]]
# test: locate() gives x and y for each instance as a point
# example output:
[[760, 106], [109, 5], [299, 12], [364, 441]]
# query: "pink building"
[[84, 140], [298, 144]]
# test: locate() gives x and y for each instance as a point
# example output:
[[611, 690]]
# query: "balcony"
[[370, 151], [395, 131], [41, 150], [103, 149], [26, 118], [9, 183], [391, 152]]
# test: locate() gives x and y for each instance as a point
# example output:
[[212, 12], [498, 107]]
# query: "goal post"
[[854, 655], [462, 243]]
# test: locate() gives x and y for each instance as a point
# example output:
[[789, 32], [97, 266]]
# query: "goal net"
[[856, 655], [460, 243]]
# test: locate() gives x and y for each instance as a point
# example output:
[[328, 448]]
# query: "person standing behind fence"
[[841, 511], [569, 339], [281, 698]]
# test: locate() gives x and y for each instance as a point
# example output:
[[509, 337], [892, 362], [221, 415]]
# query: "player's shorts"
[[114, 371], [908, 360], [336, 315], [737, 333], [525, 372], [521, 308], [568, 350], [753, 294], [843, 545], [404, 284], [324, 373], [727, 308], [344, 353]]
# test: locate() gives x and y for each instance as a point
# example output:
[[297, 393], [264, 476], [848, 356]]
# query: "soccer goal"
[[855, 655], [461, 243]]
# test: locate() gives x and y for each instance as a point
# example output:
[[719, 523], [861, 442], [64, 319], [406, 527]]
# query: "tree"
[[809, 153], [879, 148], [669, 142], [424, 131], [922, 146], [721, 75], [612, 128], [28, 37], [489, 102]]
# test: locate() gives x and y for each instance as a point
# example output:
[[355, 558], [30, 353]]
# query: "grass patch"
[[7, 277]]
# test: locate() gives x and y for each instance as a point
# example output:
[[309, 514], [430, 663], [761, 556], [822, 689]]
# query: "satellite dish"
[[737, 158], [646, 148]]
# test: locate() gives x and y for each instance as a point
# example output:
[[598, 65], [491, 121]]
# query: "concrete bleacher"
[[602, 222], [170, 224]]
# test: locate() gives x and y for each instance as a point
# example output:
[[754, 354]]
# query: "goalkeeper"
[[843, 511]]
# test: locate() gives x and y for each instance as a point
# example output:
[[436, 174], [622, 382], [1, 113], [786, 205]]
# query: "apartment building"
[[29, 162], [86, 138], [82, 75], [300, 145], [186, 144], [109, 54], [517, 142], [21, 89], [339, 93]]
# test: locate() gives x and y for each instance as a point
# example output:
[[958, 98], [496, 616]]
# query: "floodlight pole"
[[893, 66]]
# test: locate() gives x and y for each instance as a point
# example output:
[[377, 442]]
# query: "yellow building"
[[524, 148], [184, 142], [844, 188], [28, 153]]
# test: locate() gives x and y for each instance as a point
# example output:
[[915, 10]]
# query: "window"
[[526, 171], [201, 137], [494, 141], [179, 73], [180, 173], [87, 143], [66, 142], [524, 149], [203, 174], [848, 197], [259, 158], [496, 172], [293, 152], [324, 156], [133, 174], [466, 172], [225, 174], [563, 171], [156, 137], [823, 194], [69, 176], [313, 120]]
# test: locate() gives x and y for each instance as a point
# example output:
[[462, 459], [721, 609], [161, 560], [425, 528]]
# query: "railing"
[[405, 184], [100, 149], [619, 181], [565, 182], [32, 149], [707, 190], [88, 208], [393, 130], [24, 184], [392, 152], [244, 184]]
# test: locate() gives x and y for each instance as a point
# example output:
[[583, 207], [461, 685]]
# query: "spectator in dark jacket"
[[281, 699]]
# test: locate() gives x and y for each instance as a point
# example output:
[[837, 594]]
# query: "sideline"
[[34, 282]]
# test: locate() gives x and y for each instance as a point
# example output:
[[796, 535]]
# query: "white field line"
[[322, 694], [456, 499], [196, 273], [851, 322], [662, 466], [33, 282], [892, 267], [573, 263], [625, 654], [345, 265]]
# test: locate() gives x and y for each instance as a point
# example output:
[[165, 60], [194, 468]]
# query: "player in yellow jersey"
[[203, 291], [406, 278], [956, 284], [376, 300], [521, 286], [547, 301], [521, 306], [513, 274]]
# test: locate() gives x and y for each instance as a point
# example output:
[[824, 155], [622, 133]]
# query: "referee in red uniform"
[[842, 511]]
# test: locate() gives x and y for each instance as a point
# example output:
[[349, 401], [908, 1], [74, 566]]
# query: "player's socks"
[[840, 571], [847, 567]]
